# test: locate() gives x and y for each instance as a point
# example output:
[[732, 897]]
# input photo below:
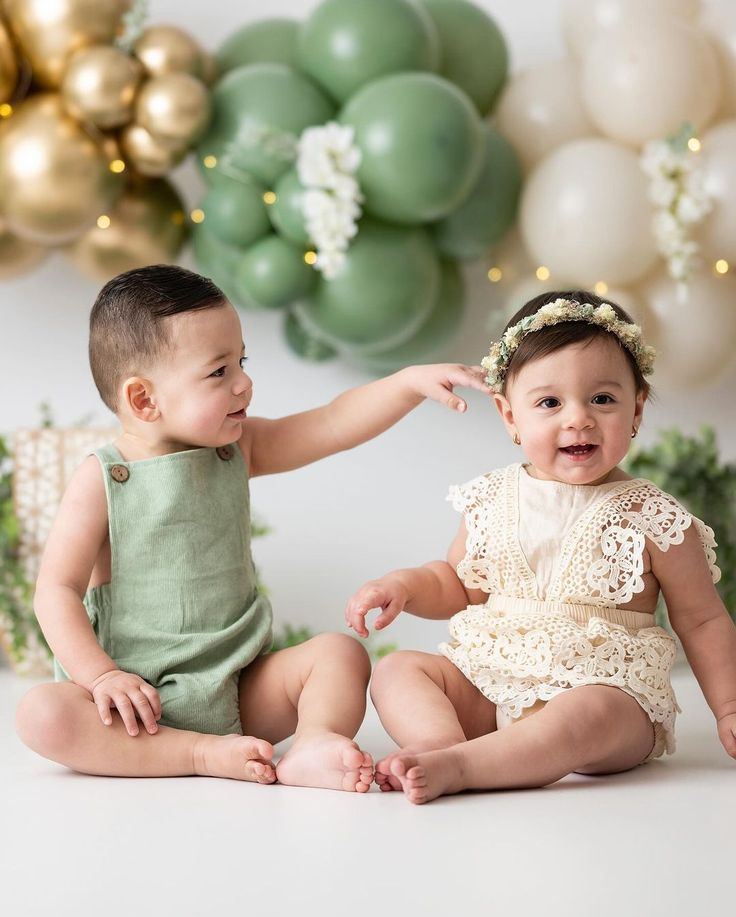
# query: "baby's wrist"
[[94, 681]]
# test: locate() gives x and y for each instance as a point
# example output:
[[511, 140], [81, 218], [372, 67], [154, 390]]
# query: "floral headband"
[[565, 310]]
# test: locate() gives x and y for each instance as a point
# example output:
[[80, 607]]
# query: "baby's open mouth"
[[237, 414], [580, 449]]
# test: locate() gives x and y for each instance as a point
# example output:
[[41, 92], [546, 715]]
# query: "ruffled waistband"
[[510, 605]]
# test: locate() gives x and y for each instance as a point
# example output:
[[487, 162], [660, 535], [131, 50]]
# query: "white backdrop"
[[355, 515]]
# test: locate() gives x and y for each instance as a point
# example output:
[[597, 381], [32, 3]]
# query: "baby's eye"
[[218, 373], [545, 403], [243, 361], [606, 399]]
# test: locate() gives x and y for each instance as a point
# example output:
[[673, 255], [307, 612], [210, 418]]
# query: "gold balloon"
[[146, 226], [8, 65], [210, 70], [55, 179], [17, 256], [146, 155], [174, 108], [168, 49], [48, 32], [100, 84]]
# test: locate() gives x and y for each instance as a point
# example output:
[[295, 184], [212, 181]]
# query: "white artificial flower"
[[678, 191], [326, 160]]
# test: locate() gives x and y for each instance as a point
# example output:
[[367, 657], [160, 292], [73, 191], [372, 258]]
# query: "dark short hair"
[[126, 327], [554, 337]]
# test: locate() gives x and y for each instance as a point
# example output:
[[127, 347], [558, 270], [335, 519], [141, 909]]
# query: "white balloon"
[[719, 21], [693, 328], [585, 214], [644, 80], [717, 234], [541, 108], [585, 20]]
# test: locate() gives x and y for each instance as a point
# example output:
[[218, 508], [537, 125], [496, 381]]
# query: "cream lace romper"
[[556, 561]]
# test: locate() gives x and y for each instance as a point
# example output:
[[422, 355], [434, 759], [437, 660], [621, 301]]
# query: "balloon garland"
[[630, 156], [95, 110], [346, 174]]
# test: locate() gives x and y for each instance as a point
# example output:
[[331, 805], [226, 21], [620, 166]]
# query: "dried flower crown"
[[554, 313]]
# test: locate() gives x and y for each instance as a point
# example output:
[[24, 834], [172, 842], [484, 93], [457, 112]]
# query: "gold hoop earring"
[[634, 431], [517, 441]]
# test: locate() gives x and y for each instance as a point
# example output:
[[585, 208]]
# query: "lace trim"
[[518, 659], [601, 558]]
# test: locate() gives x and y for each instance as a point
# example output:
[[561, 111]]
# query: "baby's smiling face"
[[200, 387], [574, 411]]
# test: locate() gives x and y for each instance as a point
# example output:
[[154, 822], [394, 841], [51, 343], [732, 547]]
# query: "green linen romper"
[[182, 609]]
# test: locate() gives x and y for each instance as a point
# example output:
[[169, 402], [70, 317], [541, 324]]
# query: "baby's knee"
[[344, 648], [43, 721], [391, 669]]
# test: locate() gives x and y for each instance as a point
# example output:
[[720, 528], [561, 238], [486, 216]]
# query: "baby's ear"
[[504, 408], [137, 399]]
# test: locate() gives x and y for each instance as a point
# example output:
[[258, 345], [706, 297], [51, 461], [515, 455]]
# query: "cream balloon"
[[717, 233], [693, 328], [146, 155], [644, 80], [541, 108], [585, 214], [585, 20], [55, 179], [719, 21], [168, 49], [48, 32], [18, 256], [174, 108], [8, 65], [100, 84], [147, 226]]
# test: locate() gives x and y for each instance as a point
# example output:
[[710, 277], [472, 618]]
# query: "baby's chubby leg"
[[425, 703], [593, 729], [316, 692], [61, 722]]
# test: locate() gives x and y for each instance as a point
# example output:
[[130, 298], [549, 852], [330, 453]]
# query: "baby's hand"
[[129, 694], [437, 381], [727, 733], [387, 594]]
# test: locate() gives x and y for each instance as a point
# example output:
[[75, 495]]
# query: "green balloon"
[[259, 111], [286, 212], [345, 44], [421, 142], [473, 52], [273, 273], [266, 41], [304, 344], [236, 213], [438, 328], [483, 219], [217, 260], [381, 295]]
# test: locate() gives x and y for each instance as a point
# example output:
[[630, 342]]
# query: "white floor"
[[660, 840]]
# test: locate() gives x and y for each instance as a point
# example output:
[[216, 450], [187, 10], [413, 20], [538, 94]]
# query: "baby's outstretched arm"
[[354, 417], [432, 591], [74, 543], [701, 621]]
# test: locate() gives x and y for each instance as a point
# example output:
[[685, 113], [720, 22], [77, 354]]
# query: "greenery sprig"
[[689, 468]]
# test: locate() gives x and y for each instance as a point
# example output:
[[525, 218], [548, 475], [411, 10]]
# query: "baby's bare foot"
[[327, 760], [426, 776], [238, 757], [385, 779]]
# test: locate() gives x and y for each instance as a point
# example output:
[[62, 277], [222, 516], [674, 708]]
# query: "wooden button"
[[119, 473], [225, 452]]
